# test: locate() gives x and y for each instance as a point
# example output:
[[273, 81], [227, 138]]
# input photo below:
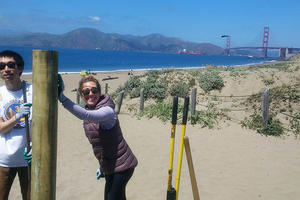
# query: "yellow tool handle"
[[183, 127]]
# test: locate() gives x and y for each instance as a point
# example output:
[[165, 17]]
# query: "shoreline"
[[166, 68]]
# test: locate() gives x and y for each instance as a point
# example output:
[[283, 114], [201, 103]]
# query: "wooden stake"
[[44, 129], [265, 106], [142, 100], [191, 167], [193, 101], [106, 88], [119, 104]]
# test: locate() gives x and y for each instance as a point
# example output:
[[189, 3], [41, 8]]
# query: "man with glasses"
[[13, 110]]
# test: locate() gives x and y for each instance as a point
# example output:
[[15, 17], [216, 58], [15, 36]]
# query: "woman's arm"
[[103, 114]]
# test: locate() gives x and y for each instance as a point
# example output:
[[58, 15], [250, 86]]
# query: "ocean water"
[[76, 60]]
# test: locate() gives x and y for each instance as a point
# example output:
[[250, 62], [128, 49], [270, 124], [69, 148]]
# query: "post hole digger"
[[172, 194], [28, 146]]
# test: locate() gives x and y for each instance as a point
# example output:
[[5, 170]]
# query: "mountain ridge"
[[90, 38]]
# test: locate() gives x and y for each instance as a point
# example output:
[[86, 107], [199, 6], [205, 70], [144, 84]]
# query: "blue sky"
[[190, 20]]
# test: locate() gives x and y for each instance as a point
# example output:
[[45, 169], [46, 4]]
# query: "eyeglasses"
[[87, 91], [11, 65]]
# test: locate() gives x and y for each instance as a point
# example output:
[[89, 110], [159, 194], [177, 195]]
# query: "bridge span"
[[284, 52]]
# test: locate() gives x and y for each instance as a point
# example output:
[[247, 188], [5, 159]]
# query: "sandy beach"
[[230, 162]]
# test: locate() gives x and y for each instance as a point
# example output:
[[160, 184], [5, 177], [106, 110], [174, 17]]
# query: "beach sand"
[[230, 162]]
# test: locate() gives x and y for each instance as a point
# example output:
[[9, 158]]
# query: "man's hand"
[[28, 154], [99, 174], [24, 111]]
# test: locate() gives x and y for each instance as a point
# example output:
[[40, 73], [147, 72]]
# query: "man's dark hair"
[[17, 57]]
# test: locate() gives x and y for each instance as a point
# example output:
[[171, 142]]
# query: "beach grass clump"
[[273, 127], [283, 99], [209, 117], [162, 110], [211, 80], [282, 66], [286, 93], [236, 72]]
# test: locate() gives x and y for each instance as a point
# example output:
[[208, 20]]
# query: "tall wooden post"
[[142, 100], [265, 106], [44, 128], [120, 100], [77, 97], [193, 101], [106, 88]]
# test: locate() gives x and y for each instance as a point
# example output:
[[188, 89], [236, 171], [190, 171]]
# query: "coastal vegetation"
[[224, 94]]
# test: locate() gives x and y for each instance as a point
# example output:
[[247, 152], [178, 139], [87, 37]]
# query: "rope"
[[231, 96], [289, 115]]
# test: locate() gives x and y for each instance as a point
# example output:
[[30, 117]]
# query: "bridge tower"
[[265, 42], [227, 50]]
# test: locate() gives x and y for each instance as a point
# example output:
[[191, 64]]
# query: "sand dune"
[[230, 162]]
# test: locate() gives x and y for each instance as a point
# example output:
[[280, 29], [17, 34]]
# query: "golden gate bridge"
[[284, 52]]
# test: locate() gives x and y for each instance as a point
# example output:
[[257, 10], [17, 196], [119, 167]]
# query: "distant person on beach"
[[12, 124], [102, 128], [130, 73], [83, 73]]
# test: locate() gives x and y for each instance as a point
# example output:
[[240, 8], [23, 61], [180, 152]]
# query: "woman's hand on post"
[[60, 89]]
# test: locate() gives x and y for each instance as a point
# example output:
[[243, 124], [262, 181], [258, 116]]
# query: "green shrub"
[[132, 83], [154, 90], [195, 72], [179, 89], [192, 82], [211, 80], [135, 92]]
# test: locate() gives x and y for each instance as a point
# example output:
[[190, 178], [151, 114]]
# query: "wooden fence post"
[[44, 128], [106, 88], [118, 108], [77, 97], [193, 101], [265, 106], [142, 100]]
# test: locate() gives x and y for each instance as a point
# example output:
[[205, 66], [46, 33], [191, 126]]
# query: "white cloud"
[[95, 18]]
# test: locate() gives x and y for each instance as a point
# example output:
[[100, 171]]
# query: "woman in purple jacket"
[[102, 128]]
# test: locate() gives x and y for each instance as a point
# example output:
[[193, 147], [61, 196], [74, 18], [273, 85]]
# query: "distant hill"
[[88, 38]]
